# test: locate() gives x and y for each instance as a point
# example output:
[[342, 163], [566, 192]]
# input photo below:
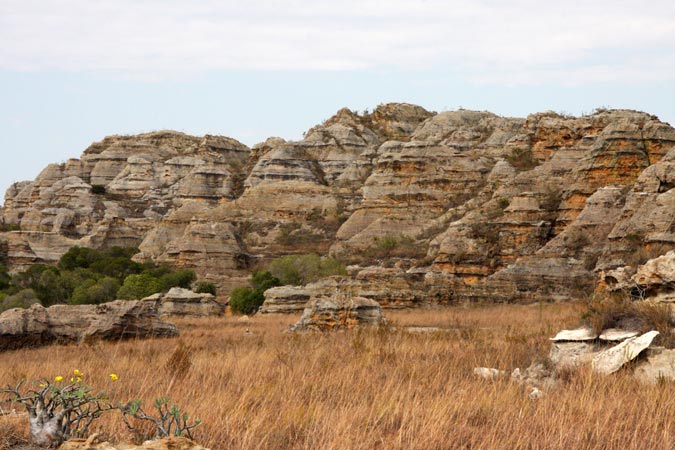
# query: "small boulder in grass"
[[339, 313]]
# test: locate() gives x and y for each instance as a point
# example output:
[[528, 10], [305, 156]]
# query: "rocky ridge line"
[[427, 207]]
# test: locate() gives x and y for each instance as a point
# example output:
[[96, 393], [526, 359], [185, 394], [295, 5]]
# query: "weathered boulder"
[[37, 325], [339, 313], [659, 365], [285, 300], [184, 302], [656, 272]]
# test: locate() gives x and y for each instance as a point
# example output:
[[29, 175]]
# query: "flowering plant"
[[58, 411]]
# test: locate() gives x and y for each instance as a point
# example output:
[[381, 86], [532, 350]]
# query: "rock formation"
[[428, 207], [184, 302], [339, 313], [120, 319]]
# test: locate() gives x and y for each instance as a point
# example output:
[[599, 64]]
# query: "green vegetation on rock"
[[303, 269]]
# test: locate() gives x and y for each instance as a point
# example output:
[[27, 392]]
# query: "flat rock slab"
[[612, 359], [659, 365], [616, 334], [37, 325], [577, 335]]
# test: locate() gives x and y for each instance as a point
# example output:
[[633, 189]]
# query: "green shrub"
[[262, 280], [303, 269], [139, 286], [180, 278], [206, 287], [95, 292], [246, 300], [5, 279], [22, 299], [391, 245], [9, 227]]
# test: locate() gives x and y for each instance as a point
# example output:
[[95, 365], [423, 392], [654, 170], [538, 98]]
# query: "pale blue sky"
[[74, 71]]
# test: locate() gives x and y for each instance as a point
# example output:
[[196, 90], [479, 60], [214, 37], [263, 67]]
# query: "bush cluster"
[[299, 270], [287, 270], [87, 276], [247, 300]]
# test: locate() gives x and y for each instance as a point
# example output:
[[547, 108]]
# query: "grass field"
[[368, 389]]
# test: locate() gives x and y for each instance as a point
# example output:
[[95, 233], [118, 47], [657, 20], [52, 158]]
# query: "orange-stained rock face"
[[464, 205]]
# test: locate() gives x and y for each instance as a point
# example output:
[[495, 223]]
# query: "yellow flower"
[[77, 373], [79, 380], [113, 377], [58, 379], [42, 385], [72, 380]]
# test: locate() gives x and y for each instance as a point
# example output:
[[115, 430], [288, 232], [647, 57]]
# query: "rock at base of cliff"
[[184, 302], [37, 325], [338, 314]]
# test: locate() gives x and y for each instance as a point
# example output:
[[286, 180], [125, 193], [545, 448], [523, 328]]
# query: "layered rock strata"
[[445, 207]]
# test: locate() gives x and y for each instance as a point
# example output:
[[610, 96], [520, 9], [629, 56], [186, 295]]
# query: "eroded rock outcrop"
[[184, 302], [339, 313], [435, 207], [120, 319]]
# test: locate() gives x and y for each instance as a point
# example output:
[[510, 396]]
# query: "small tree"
[[139, 286], [206, 287], [247, 300], [59, 411]]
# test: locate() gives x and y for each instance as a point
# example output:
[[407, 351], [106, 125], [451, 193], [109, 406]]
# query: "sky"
[[74, 71]]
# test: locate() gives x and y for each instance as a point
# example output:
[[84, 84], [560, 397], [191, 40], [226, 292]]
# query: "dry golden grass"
[[377, 389]]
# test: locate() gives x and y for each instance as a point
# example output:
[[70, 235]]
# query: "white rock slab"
[[577, 335], [612, 359], [616, 334]]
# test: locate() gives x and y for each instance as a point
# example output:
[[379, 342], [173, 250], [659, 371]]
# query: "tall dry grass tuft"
[[371, 389], [180, 361]]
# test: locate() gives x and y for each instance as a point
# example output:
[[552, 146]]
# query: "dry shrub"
[[659, 317], [14, 432], [604, 311], [621, 311]]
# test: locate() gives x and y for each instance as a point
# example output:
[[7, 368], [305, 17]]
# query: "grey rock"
[[37, 325]]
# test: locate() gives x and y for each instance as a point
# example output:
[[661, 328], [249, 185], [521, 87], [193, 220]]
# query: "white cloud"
[[512, 41]]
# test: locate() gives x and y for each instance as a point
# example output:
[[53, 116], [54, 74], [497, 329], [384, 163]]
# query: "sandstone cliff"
[[427, 207]]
